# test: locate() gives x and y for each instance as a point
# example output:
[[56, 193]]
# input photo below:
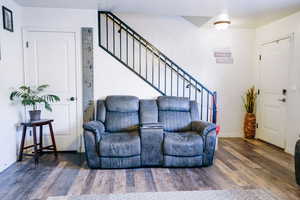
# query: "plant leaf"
[[42, 87], [14, 94], [48, 107], [249, 100]]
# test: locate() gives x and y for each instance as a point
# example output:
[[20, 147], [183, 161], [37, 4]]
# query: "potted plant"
[[250, 119], [33, 97]]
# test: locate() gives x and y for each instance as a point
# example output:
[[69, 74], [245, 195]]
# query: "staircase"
[[151, 65]]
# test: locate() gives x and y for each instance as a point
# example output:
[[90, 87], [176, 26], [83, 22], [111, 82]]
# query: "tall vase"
[[249, 125]]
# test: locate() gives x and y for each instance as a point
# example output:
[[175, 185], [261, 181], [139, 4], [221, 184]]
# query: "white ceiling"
[[244, 13]]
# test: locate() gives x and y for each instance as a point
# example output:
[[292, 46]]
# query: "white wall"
[[190, 47], [11, 75], [276, 30], [112, 78]]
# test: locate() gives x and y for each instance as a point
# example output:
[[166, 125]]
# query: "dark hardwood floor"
[[239, 164]]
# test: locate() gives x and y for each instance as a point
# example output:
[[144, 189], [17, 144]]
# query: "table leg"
[[22, 143], [35, 145], [41, 139], [53, 139]]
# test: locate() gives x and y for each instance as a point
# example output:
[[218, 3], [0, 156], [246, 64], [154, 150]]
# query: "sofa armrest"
[[208, 132], [203, 127], [93, 131], [152, 136], [91, 149], [95, 127]]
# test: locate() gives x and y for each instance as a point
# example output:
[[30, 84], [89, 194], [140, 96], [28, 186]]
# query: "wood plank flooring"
[[239, 164]]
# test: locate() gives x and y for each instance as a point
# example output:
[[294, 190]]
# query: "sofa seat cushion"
[[122, 144], [183, 144]]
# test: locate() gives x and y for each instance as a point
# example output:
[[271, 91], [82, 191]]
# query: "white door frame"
[[78, 73], [289, 37]]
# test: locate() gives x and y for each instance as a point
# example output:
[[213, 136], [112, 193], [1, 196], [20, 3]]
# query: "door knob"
[[73, 99], [282, 100]]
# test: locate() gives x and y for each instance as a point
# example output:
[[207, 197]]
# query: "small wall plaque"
[[223, 56]]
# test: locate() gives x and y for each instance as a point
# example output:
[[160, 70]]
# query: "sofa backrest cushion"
[[121, 121], [168, 103], [175, 120], [177, 113], [122, 113], [122, 104]]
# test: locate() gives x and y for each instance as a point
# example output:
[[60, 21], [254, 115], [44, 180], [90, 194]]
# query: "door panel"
[[50, 58], [274, 68], [54, 59]]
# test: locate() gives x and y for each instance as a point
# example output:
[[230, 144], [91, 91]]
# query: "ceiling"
[[244, 13]]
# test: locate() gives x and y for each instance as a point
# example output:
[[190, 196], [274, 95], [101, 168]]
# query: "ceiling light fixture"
[[222, 22]]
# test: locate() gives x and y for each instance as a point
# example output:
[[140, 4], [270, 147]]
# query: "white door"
[[274, 67], [50, 58]]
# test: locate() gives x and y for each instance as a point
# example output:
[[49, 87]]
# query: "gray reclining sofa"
[[166, 132]]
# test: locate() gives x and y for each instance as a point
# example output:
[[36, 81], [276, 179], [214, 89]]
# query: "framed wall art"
[[8, 23]]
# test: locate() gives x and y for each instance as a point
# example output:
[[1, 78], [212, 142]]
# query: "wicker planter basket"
[[250, 125]]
